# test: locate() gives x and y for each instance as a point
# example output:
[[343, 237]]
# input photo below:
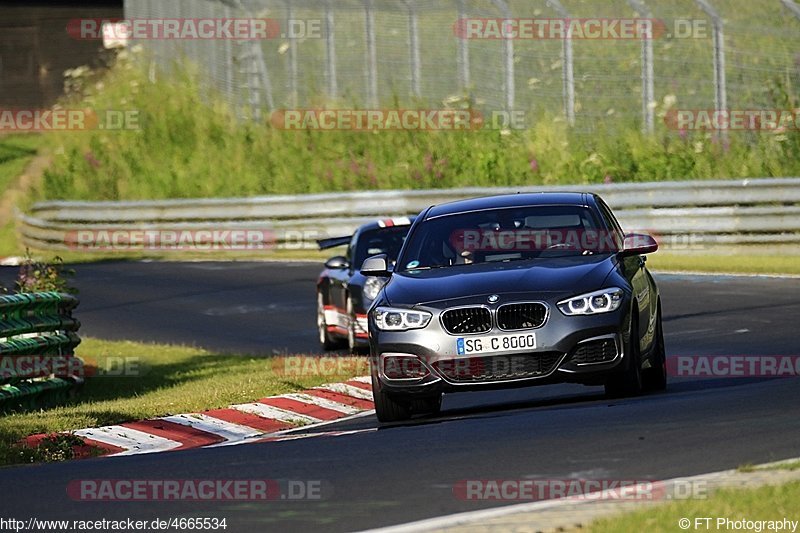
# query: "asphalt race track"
[[398, 474]]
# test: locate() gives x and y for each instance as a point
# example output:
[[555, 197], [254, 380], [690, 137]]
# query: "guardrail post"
[[568, 75], [720, 83], [648, 92]]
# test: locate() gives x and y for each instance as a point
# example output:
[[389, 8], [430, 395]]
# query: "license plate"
[[518, 342]]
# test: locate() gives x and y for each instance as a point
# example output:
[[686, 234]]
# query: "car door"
[[340, 278], [633, 268]]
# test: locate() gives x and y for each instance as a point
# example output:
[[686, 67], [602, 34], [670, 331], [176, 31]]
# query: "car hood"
[[566, 275]]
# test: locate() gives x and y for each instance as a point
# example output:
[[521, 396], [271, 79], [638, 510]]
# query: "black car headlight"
[[392, 319], [593, 303], [372, 286]]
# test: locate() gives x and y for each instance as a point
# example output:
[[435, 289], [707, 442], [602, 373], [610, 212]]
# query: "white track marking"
[[480, 517], [363, 379], [322, 402], [133, 440], [215, 426], [347, 390], [274, 413]]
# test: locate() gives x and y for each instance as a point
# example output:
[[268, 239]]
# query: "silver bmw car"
[[511, 291]]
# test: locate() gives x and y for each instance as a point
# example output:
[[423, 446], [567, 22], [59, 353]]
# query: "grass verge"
[[732, 264], [162, 380], [792, 465], [763, 503], [16, 151], [188, 143]]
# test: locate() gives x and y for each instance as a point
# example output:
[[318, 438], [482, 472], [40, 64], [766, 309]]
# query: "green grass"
[[171, 380], [191, 145], [9, 240], [16, 151], [733, 264], [764, 503], [791, 466]]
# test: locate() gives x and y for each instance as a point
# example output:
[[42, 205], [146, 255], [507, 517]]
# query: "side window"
[[611, 221], [350, 254]]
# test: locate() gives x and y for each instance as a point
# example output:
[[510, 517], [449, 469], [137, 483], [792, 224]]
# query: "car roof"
[[510, 200], [387, 223]]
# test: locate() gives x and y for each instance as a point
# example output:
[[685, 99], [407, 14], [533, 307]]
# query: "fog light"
[[403, 367]]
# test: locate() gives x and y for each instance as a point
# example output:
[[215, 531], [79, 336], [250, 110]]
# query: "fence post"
[[568, 75], [413, 46], [372, 54], [720, 84], [648, 92], [257, 74], [508, 59], [463, 51], [330, 52], [793, 7], [229, 60], [292, 56]]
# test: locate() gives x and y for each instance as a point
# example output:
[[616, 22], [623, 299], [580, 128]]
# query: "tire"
[[352, 342], [325, 339], [655, 378], [628, 382], [389, 409]]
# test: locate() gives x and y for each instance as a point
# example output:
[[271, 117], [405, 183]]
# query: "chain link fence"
[[702, 54]]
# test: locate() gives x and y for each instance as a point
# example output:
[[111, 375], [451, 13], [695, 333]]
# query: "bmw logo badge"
[[493, 298]]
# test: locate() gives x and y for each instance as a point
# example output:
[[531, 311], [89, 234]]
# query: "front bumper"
[[554, 360]]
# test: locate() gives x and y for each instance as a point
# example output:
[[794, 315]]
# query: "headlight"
[[389, 319], [603, 301], [372, 286]]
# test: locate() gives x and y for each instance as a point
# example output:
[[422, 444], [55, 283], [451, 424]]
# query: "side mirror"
[[337, 263], [639, 243], [376, 266]]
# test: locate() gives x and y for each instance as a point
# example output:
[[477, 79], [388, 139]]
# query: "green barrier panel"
[[37, 325]]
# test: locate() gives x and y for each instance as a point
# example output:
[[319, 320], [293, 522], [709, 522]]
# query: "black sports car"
[[511, 291], [343, 293]]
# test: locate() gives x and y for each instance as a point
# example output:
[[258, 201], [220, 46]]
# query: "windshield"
[[507, 234], [380, 241]]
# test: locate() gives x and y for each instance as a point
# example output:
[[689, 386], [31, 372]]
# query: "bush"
[[192, 145]]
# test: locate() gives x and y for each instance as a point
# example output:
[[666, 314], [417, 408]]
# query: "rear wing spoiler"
[[333, 242]]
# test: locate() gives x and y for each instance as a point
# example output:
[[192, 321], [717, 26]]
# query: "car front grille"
[[498, 367], [467, 320], [521, 316], [598, 351]]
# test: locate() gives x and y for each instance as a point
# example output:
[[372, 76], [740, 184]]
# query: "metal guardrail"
[[710, 211], [38, 336]]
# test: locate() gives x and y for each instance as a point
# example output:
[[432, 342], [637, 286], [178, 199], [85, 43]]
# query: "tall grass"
[[191, 145]]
